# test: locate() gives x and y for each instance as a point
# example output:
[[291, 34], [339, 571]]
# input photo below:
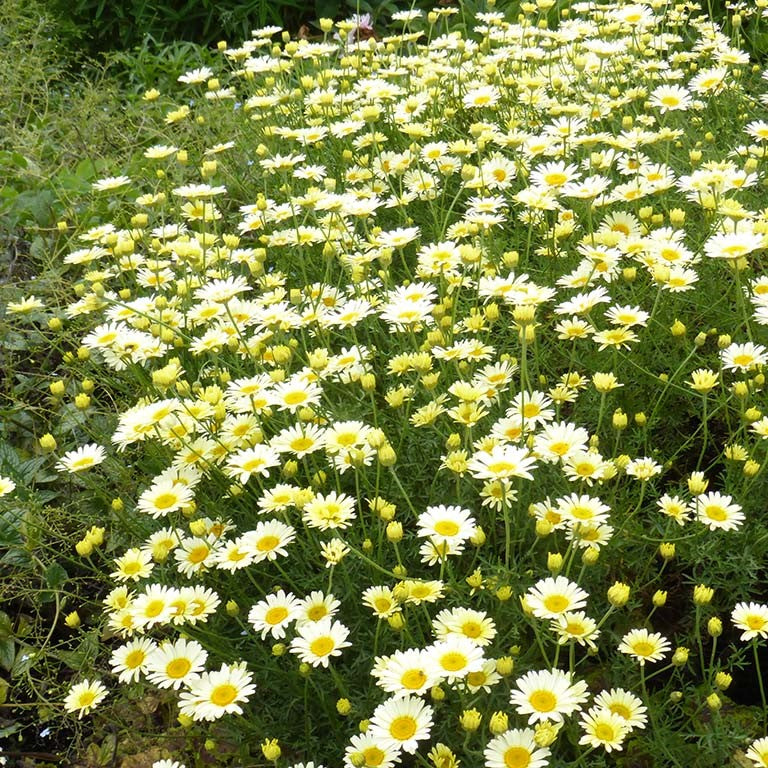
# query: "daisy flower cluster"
[[445, 356]]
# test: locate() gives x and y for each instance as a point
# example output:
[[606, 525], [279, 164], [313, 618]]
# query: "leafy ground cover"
[[397, 399]]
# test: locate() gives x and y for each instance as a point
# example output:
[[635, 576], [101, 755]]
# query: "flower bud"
[[723, 680], [271, 750], [680, 656], [498, 723], [714, 627], [84, 547], [505, 665], [554, 563], [72, 620], [394, 531], [667, 550], [470, 720], [659, 598], [618, 594], [702, 595]]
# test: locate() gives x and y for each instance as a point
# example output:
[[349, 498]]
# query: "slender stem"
[[760, 683]]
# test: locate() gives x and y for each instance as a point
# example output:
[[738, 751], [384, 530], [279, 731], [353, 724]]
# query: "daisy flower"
[[581, 509], [603, 728], [316, 606], [82, 458], [163, 498], [249, 461], [216, 693], [516, 748], [624, 704], [6, 485], [644, 645], [575, 626], [484, 678], [550, 597], [368, 751], [133, 565], [272, 615], [268, 540], [330, 511], [110, 182], [170, 665], [501, 463], [559, 440], [752, 618], [477, 626], [402, 722], [405, 673], [717, 511], [670, 98], [758, 753], [743, 357], [129, 661], [154, 606], [83, 697], [381, 600], [548, 695], [455, 657], [318, 641], [446, 525]]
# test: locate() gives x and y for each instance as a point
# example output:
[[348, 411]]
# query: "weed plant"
[[411, 403]]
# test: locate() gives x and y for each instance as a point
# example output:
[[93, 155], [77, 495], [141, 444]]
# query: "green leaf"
[[10, 528], [18, 557], [7, 654], [55, 576]]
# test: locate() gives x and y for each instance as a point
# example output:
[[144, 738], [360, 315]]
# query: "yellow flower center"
[[453, 661], [471, 629], [302, 443], [620, 710], [267, 543], [716, 513], [166, 500], [643, 648], [413, 679], [294, 398], [177, 668], [402, 728], [199, 553], [517, 757], [223, 694], [373, 757], [275, 615], [316, 612], [322, 646], [252, 464], [382, 604], [604, 732], [555, 179], [501, 467], [154, 608], [556, 603], [755, 622], [86, 698], [446, 527], [476, 678], [135, 659], [543, 701]]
